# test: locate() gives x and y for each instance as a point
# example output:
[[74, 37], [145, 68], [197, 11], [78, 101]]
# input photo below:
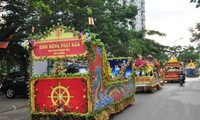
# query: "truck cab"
[[172, 69]]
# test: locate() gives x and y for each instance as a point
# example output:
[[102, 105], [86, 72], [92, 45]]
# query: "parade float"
[[148, 74], [71, 77], [191, 69], [172, 69]]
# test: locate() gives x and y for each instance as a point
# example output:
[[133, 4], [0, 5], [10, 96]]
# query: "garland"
[[101, 114], [35, 77], [116, 82]]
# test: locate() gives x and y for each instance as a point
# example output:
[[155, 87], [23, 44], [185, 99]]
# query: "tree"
[[195, 31], [139, 46], [16, 16], [15, 13], [154, 32], [111, 22], [14, 55], [197, 2], [111, 19], [198, 48], [188, 54]]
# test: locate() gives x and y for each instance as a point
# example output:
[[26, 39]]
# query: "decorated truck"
[[172, 69], [191, 69], [71, 77], [148, 74]]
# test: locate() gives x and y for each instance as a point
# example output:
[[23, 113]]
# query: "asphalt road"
[[173, 102]]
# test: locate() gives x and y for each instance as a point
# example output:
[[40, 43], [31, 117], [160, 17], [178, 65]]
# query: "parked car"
[[15, 84]]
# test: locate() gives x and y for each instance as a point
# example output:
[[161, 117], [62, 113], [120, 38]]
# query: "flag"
[[4, 41], [4, 45], [90, 21], [7, 37]]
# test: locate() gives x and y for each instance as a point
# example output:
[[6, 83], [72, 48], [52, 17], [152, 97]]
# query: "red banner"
[[59, 48], [172, 74], [61, 95], [173, 64], [143, 79]]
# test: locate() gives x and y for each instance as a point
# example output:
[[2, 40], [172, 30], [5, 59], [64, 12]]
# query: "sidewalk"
[[12, 104]]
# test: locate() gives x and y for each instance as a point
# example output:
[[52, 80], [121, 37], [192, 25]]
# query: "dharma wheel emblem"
[[60, 95], [58, 32]]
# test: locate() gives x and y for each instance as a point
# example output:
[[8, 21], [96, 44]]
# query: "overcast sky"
[[172, 17]]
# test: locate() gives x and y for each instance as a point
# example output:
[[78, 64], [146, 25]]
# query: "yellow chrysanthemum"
[[26, 43], [83, 38], [173, 60]]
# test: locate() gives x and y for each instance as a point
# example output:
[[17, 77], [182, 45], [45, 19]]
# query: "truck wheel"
[[10, 93], [158, 87], [153, 89]]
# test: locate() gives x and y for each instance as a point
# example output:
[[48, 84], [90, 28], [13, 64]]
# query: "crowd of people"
[[147, 67]]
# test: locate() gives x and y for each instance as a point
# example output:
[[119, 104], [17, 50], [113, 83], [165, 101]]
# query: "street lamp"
[[177, 40], [175, 52]]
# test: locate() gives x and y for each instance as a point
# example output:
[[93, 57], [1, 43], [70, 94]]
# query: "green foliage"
[[15, 54], [154, 32], [110, 18], [198, 48], [189, 54], [195, 31], [41, 7], [183, 53], [197, 2], [154, 48]]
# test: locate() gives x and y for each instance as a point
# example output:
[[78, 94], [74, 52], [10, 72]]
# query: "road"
[[173, 102]]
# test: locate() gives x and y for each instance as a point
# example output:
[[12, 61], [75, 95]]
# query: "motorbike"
[[181, 78]]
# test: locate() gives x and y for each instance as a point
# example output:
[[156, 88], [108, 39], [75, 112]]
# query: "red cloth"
[[139, 63], [77, 88]]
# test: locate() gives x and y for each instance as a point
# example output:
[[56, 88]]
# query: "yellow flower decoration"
[[26, 43], [173, 60], [83, 38]]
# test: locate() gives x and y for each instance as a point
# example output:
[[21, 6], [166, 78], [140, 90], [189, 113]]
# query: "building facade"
[[139, 20]]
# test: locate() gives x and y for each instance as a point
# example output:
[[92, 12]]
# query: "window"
[[60, 67], [172, 69]]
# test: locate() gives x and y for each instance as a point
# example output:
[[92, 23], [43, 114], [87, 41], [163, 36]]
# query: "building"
[[139, 19]]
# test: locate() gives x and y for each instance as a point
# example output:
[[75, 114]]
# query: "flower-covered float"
[[148, 74], [72, 78], [191, 69], [172, 69]]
